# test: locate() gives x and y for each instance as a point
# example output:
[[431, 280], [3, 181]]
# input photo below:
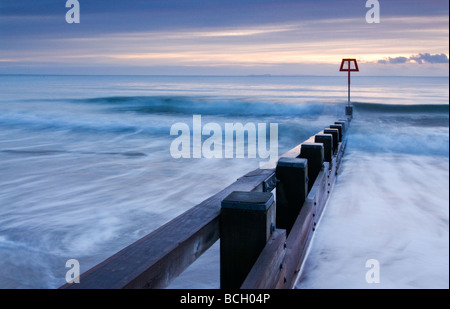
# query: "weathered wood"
[[331, 175], [336, 140], [344, 124], [313, 152], [319, 193], [346, 121], [301, 233], [327, 141], [270, 183], [268, 270], [299, 240], [315, 202], [291, 190], [296, 244], [303, 228], [246, 223], [349, 111], [340, 154], [156, 259], [339, 128]]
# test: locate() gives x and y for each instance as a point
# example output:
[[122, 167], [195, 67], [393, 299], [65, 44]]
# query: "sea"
[[86, 169]]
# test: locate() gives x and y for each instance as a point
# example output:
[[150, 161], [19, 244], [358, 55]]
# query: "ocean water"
[[390, 204], [86, 169]]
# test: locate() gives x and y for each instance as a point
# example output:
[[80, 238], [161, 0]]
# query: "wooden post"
[[268, 270], [349, 111], [339, 127], [335, 134], [247, 220], [343, 124], [313, 152], [327, 141], [292, 189], [346, 123]]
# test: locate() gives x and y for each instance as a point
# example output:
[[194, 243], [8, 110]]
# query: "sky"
[[224, 37]]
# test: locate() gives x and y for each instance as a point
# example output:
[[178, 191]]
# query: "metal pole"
[[349, 83]]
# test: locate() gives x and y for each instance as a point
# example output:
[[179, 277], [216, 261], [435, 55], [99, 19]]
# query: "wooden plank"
[[291, 190], [327, 141], [340, 153], [335, 134], [314, 153], [268, 268], [270, 183], [296, 243], [340, 129], [305, 225], [318, 195], [156, 259], [301, 233], [331, 178], [246, 223]]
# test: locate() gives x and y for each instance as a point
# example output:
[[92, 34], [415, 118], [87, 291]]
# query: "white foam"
[[389, 207]]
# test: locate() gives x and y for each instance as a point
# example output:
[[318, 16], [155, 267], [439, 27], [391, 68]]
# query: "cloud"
[[420, 59], [394, 60], [428, 58], [219, 33]]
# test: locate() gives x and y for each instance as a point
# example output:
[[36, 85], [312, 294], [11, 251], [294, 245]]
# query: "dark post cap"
[[292, 162], [248, 200]]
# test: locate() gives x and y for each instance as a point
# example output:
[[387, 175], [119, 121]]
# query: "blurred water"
[[85, 166], [390, 203]]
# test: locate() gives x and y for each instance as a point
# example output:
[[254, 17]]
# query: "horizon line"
[[211, 75]]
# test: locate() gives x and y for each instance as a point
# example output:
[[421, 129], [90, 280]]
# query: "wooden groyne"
[[263, 242]]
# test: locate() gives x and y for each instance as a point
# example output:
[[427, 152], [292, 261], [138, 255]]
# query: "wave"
[[47, 152], [79, 123], [401, 108], [206, 106], [145, 114], [155, 114], [245, 107]]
